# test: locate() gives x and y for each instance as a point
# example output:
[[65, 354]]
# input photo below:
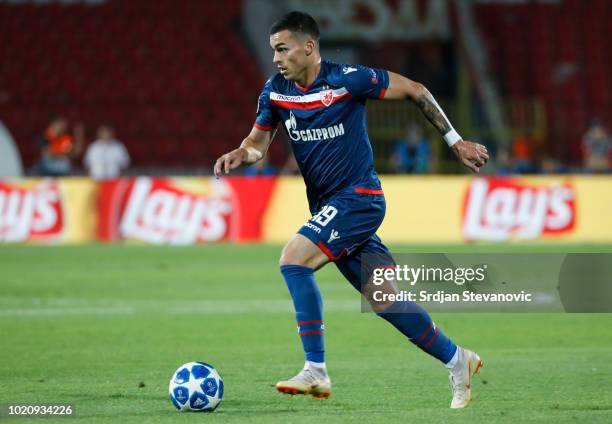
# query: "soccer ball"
[[196, 386]]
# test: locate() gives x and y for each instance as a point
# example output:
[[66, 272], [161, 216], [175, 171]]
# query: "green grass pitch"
[[104, 327]]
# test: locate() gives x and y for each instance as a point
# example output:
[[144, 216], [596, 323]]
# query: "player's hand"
[[229, 161], [472, 155]]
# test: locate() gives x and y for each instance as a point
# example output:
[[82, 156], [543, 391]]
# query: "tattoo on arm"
[[433, 112]]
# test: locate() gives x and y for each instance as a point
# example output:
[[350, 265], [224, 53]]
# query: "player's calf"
[[370, 292]]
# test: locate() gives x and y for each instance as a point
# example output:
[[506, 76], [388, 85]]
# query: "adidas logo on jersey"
[[312, 134]]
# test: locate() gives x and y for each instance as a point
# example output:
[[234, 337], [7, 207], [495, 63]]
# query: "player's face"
[[290, 54]]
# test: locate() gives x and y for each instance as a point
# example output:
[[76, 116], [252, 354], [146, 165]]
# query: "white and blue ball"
[[196, 386]]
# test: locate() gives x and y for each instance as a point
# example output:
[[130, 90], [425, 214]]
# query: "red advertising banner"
[[183, 210]]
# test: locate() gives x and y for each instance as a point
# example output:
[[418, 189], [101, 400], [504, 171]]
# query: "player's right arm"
[[252, 148]]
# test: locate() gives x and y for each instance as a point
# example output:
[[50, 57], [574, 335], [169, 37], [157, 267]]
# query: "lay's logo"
[[32, 213], [158, 212], [183, 211], [499, 209]]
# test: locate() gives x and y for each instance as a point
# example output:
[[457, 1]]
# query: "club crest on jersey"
[[327, 97]]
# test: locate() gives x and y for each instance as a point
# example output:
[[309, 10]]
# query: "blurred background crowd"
[[109, 87]]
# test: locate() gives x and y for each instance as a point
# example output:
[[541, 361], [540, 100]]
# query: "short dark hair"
[[297, 22]]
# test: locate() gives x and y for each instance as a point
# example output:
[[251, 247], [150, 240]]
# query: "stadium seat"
[[530, 43], [147, 68]]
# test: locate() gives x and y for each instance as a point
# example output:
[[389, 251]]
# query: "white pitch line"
[[46, 312], [34, 307]]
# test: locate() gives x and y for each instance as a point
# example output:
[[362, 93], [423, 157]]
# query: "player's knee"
[[287, 260], [301, 251], [289, 256]]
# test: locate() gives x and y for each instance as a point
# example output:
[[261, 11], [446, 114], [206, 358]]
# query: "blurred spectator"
[[552, 165], [261, 167], [106, 157], [523, 155], [596, 147], [59, 147], [413, 153], [503, 163]]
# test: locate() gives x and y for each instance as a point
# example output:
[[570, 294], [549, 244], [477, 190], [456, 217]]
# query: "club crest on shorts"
[[326, 97]]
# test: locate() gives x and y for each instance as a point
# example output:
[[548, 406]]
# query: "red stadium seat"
[[150, 69], [528, 45]]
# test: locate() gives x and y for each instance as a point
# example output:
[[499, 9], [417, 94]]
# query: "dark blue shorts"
[[346, 222]]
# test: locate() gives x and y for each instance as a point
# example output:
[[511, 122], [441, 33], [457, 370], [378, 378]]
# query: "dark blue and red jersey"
[[326, 124]]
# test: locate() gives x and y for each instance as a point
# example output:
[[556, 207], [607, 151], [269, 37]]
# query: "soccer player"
[[321, 106]]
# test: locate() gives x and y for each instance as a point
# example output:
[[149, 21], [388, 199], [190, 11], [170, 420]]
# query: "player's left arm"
[[472, 155]]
